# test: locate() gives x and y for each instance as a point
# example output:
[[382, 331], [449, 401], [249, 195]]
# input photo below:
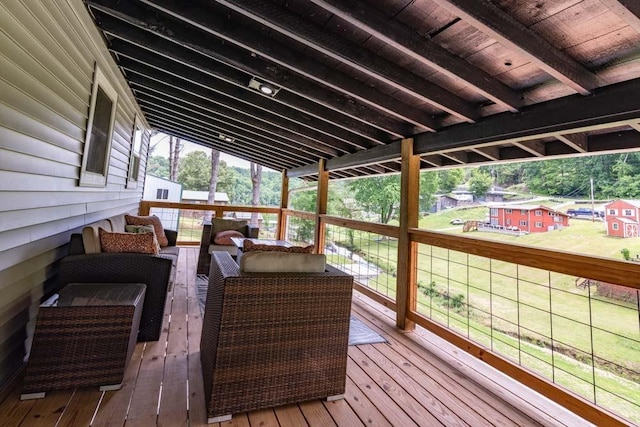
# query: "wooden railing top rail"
[[206, 207], [299, 214], [623, 273], [371, 227]]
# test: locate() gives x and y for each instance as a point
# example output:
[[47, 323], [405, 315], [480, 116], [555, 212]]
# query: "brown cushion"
[[141, 229], [150, 220], [144, 243], [249, 246], [279, 262], [224, 237]]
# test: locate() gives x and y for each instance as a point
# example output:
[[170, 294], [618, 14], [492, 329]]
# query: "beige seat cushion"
[[91, 238], [220, 224], [280, 262]]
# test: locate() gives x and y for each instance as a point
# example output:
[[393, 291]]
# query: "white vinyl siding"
[[48, 51]]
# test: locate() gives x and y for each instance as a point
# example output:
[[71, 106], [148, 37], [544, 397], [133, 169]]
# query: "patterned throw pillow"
[[150, 220], [141, 229], [249, 246], [224, 237], [143, 243]]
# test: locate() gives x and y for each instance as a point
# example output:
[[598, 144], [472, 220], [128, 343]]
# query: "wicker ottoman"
[[84, 336]]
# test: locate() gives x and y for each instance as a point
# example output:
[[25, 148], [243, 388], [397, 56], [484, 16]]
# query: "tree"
[[480, 183], [213, 182], [195, 171], [380, 195], [449, 179], [256, 180], [428, 187], [158, 166], [175, 146]]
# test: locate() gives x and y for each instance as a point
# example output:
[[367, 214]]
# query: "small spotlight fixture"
[[264, 88], [225, 138]]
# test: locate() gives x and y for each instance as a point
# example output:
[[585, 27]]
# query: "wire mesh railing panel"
[[188, 222], [300, 231], [581, 334], [370, 257]]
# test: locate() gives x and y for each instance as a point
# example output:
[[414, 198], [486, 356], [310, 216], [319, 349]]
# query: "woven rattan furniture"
[[272, 339], [208, 245], [84, 336]]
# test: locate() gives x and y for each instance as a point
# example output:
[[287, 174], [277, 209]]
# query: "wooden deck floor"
[[414, 379]]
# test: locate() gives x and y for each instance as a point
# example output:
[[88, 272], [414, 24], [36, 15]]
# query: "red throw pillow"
[[150, 220], [249, 246], [224, 237], [143, 243]]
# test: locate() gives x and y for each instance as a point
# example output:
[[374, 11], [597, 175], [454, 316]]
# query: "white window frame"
[[508, 211], [137, 135], [90, 178], [537, 212], [628, 212], [523, 223], [614, 226], [538, 224], [613, 212]]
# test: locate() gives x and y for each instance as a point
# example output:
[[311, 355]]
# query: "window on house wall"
[[523, 212], [162, 193], [97, 143], [523, 223], [508, 211], [613, 212], [136, 150], [614, 226], [538, 224], [493, 211], [538, 212], [628, 212]]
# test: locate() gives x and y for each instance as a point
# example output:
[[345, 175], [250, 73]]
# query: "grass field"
[[534, 317]]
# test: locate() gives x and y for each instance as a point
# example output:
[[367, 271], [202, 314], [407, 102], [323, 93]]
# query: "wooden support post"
[[321, 206], [409, 204], [144, 209], [284, 204]]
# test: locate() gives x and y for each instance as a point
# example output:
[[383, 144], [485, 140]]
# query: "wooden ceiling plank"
[[627, 10], [302, 171], [423, 50], [433, 160], [537, 148], [457, 156], [635, 126], [497, 24], [285, 57], [577, 141], [492, 153], [279, 19]]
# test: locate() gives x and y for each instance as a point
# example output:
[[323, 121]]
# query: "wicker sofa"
[[270, 339], [85, 263], [207, 242]]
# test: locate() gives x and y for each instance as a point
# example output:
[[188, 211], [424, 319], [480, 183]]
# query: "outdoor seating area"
[[409, 380], [217, 235]]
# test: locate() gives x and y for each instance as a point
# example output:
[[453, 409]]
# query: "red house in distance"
[[529, 218], [622, 218]]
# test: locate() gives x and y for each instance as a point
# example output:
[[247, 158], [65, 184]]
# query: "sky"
[[161, 142]]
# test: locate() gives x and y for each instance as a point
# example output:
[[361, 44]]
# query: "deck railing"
[[567, 325]]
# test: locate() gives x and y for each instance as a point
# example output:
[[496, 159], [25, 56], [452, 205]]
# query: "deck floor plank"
[[403, 382]]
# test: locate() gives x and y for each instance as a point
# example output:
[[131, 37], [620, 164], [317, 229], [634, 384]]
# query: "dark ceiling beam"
[[302, 171], [435, 161], [266, 144], [158, 91], [170, 71], [151, 78], [129, 41], [577, 141], [238, 144], [608, 107], [288, 59], [460, 157], [421, 49], [491, 153], [497, 24], [627, 10], [210, 143], [352, 55]]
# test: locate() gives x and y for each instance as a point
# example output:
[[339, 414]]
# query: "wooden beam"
[[283, 56], [577, 141], [376, 155], [434, 160], [321, 206], [306, 170], [491, 153], [635, 126], [498, 25], [537, 148], [422, 49], [457, 156], [352, 55], [406, 292], [284, 204], [627, 10]]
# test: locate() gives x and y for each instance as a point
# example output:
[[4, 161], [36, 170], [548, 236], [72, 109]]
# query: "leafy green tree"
[[428, 187], [480, 182], [449, 179], [158, 166], [195, 171], [379, 194]]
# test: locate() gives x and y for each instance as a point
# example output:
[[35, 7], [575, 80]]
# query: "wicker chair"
[[270, 339]]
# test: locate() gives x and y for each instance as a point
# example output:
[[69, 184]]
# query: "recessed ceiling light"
[[225, 138], [262, 87]]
